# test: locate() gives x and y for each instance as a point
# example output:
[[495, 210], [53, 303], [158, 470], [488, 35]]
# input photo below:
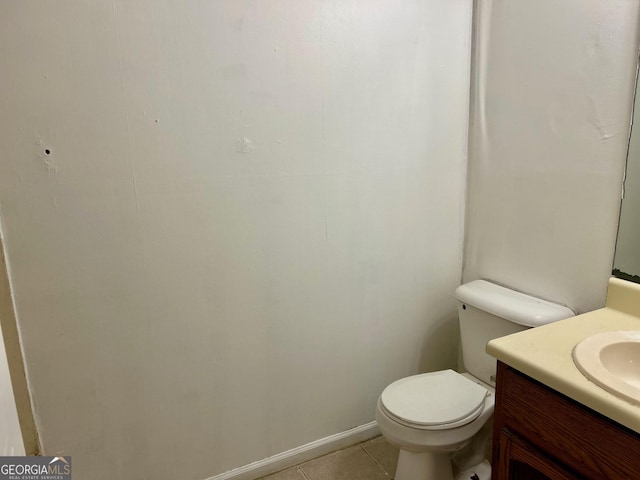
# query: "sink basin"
[[611, 360]]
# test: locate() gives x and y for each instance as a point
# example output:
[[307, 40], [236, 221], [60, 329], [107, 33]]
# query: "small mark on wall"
[[49, 161], [234, 72], [607, 136], [237, 24], [244, 145], [44, 153]]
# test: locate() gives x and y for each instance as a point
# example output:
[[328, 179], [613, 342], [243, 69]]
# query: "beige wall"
[[229, 224], [553, 88]]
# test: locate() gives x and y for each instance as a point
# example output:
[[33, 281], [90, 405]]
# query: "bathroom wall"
[[552, 89], [229, 224]]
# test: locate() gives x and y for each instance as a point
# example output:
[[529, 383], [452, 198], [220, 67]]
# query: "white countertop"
[[544, 353]]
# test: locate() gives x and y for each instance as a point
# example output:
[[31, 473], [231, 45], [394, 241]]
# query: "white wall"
[[553, 88], [248, 223]]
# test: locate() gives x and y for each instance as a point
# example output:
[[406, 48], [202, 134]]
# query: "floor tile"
[[350, 464], [383, 453], [288, 474]]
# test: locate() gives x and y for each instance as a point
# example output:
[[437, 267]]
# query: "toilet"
[[433, 416]]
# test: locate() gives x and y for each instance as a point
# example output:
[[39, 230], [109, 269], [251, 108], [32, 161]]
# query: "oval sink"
[[612, 361]]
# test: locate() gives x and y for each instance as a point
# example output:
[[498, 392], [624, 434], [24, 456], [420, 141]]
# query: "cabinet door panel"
[[521, 461]]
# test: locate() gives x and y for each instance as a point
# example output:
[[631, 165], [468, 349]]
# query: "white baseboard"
[[301, 454]]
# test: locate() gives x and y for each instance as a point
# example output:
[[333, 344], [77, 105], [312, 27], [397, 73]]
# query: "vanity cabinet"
[[540, 434]]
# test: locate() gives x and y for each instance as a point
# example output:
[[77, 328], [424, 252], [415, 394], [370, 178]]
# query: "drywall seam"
[[125, 108], [484, 39], [465, 163], [473, 65]]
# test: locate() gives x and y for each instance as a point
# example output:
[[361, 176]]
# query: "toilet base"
[[423, 466]]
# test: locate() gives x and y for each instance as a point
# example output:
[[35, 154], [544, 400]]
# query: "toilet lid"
[[435, 398]]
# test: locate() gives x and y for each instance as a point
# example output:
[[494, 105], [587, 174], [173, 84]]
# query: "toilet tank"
[[489, 311]]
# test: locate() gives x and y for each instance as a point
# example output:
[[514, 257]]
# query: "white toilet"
[[432, 415]]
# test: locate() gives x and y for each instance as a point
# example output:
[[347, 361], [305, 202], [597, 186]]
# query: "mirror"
[[626, 263]]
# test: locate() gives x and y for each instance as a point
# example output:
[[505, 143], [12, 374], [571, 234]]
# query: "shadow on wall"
[[441, 344]]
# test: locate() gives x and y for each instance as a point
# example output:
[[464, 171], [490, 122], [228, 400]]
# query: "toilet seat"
[[434, 401]]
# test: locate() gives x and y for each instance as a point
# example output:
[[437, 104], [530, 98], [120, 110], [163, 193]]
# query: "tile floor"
[[374, 459]]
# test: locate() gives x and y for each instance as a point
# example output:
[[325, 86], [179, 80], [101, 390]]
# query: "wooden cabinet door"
[[519, 460]]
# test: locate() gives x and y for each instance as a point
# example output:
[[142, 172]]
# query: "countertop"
[[544, 353]]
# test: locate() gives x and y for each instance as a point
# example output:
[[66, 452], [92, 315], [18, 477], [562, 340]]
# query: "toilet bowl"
[[430, 416]]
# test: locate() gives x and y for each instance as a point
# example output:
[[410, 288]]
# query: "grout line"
[[301, 472], [376, 461]]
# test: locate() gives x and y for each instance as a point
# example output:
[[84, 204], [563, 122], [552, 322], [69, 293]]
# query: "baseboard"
[[301, 454]]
